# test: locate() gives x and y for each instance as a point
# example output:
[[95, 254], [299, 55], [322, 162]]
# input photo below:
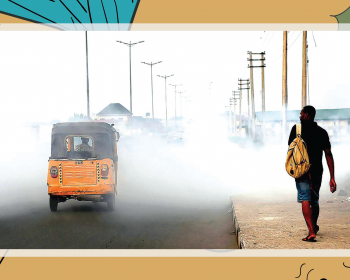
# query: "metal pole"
[[130, 89], [175, 105], [230, 120], [166, 101], [240, 113], [263, 88], [152, 98], [130, 45], [303, 96], [181, 106], [284, 86], [249, 117], [166, 109], [210, 89], [175, 111], [87, 77], [151, 64], [308, 77], [263, 94], [181, 92], [252, 93], [235, 118]]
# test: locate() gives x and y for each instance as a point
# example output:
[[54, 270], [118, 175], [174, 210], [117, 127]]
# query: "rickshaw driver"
[[84, 146]]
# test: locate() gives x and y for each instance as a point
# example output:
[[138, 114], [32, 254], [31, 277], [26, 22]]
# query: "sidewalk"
[[277, 222]]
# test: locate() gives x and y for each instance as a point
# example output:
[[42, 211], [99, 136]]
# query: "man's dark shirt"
[[317, 140]]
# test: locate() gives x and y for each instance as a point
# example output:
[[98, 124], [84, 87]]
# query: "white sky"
[[43, 74]]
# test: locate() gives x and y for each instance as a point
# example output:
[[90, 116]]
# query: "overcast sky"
[[43, 74]]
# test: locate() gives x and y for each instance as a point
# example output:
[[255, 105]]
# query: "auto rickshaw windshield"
[[97, 145]]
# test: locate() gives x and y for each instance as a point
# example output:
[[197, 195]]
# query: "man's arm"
[[330, 163]]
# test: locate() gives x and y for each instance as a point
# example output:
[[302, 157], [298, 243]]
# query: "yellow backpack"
[[297, 163]]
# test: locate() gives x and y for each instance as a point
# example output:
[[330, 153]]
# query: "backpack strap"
[[298, 129]]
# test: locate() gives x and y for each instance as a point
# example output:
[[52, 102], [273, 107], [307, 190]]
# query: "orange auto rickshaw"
[[83, 163]]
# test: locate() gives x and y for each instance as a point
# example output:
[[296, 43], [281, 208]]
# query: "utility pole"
[[130, 45], [252, 81], [210, 89], [303, 96], [186, 100], [229, 119], [308, 76], [233, 102], [87, 77], [240, 84], [181, 102], [166, 102], [151, 64], [263, 89], [284, 87], [238, 95], [175, 104]]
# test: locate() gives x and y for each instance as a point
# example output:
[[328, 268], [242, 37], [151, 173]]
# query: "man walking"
[[308, 186]]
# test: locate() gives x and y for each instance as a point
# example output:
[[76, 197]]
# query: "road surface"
[[163, 202]]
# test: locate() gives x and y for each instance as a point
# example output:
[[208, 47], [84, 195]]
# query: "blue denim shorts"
[[309, 190]]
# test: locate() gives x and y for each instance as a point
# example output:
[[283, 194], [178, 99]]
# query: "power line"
[[264, 40], [294, 41], [270, 39], [261, 46], [314, 38], [268, 34], [287, 48]]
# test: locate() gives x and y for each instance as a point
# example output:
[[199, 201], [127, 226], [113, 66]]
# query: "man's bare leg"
[[307, 212], [315, 212]]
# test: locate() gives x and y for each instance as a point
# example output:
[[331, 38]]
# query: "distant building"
[[335, 121], [120, 116], [114, 113]]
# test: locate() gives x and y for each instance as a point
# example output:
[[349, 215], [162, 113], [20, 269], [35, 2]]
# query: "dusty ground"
[[272, 223]]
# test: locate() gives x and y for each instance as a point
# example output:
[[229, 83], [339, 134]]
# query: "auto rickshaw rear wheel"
[[111, 202], [53, 203]]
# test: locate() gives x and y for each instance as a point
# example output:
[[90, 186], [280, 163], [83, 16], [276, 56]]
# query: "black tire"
[[111, 202], [53, 203]]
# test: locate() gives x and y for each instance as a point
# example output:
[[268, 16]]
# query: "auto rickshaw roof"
[[82, 128]]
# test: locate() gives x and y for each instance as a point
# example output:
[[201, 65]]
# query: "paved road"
[[163, 202]]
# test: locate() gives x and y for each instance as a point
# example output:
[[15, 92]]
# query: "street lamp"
[[175, 103], [130, 45], [187, 100], [166, 102], [180, 102], [87, 76], [151, 64], [210, 89]]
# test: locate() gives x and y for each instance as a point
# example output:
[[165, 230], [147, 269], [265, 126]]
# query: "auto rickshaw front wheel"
[[53, 203], [111, 202]]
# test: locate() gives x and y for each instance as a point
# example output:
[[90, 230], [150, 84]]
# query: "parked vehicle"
[[83, 163]]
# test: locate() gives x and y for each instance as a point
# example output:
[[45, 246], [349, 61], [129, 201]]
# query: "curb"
[[239, 235]]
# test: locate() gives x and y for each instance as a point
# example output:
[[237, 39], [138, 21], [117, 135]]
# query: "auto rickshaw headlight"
[[104, 170], [54, 172]]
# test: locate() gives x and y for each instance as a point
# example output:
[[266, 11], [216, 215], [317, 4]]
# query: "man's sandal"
[[309, 238]]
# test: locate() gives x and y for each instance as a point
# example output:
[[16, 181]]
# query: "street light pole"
[[151, 64], [175, 103], [130, 45], [181, 103], [210, 89], [166, 102], [284, 86], [87, 77], [186, 100]]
